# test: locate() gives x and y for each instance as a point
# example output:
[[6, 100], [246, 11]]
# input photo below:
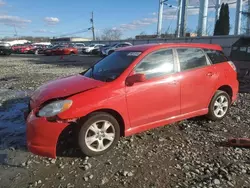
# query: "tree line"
[[222, 25]]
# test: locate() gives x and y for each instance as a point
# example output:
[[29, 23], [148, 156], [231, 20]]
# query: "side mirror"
[[135, 78]]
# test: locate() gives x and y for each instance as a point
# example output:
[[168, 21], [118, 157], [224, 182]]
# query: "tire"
[[72, 53], [219, 101], [95, 122]]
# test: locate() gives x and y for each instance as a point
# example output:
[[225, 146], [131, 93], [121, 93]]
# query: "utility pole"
[[238, 17], [217, 10], [202, 25], [178, 29], [160, 14], [92, 22], [184, 18], [248, 19]]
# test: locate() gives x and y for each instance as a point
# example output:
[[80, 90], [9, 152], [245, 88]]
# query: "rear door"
[[198, 79]]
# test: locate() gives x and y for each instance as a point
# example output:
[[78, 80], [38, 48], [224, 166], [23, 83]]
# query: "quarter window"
[[157, 64], [216, 56], [191, 58]]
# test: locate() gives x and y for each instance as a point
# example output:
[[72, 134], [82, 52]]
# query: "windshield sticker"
[[134, 53]]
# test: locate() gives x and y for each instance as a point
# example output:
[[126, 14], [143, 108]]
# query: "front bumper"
[[42, 135]]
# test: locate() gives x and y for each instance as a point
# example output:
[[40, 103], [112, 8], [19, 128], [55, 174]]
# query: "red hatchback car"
[[61, 50], [132, 90]]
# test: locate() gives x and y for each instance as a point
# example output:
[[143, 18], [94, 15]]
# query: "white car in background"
[[88, 49], [111, 49]]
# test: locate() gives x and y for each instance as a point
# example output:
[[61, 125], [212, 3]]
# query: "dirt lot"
[[186, 154]]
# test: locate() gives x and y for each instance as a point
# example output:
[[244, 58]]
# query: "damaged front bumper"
[[42, 135]]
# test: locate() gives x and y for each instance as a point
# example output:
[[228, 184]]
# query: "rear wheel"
[[219, 106], [98, 134]]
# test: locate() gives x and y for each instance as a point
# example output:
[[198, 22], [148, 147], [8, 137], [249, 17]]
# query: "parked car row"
[[62, 49], [103, 49]]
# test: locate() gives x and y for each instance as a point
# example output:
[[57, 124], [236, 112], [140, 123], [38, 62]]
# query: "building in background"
[[69, 40], [170, 36]]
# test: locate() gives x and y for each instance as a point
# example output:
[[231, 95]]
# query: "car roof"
[[144, 47]]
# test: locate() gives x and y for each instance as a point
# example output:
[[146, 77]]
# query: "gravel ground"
[[190, 153]]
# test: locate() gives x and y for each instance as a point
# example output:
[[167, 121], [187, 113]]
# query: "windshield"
[[112, 66]]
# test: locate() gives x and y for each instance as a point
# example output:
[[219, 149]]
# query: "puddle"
[[12, 125]]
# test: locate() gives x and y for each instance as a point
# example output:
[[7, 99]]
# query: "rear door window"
[[216, 56], [190, 58]]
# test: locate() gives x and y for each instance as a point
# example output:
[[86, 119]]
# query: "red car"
[[21, 48], [61, 50], [132, 90], [25, 49]]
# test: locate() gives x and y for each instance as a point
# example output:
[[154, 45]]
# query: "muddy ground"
[[190, 153]]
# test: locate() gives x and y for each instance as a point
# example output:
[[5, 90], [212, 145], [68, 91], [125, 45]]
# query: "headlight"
[[55, 108]]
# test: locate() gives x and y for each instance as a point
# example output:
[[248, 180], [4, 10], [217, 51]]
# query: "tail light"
[[232, 65]]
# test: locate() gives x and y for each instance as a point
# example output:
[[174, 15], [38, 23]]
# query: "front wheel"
[[219, 106], [98, 134]]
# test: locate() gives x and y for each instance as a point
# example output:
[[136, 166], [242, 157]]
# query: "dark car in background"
[[38, 49], [5, 48]]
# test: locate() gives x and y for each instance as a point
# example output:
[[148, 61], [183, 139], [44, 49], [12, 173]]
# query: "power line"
[[77, 32]]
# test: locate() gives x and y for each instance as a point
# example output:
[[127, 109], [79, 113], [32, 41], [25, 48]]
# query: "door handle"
[[210, 74]]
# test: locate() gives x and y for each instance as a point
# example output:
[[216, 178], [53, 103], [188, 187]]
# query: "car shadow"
[[67, 145]]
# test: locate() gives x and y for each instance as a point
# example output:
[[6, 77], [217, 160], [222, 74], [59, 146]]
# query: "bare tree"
[[111, 34], [143, 33]]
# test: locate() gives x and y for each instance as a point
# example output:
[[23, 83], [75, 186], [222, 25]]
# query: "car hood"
[[62, 88]]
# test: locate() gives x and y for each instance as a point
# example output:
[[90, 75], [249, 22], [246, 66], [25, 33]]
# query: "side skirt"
[[164, 122]]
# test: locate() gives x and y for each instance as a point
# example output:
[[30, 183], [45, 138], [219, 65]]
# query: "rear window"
[[216, 56]]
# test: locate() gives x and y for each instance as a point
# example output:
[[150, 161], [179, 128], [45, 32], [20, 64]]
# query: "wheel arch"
[[227, 89], [72, 129]]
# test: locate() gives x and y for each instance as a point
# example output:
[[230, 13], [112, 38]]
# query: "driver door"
[[158, 97]]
